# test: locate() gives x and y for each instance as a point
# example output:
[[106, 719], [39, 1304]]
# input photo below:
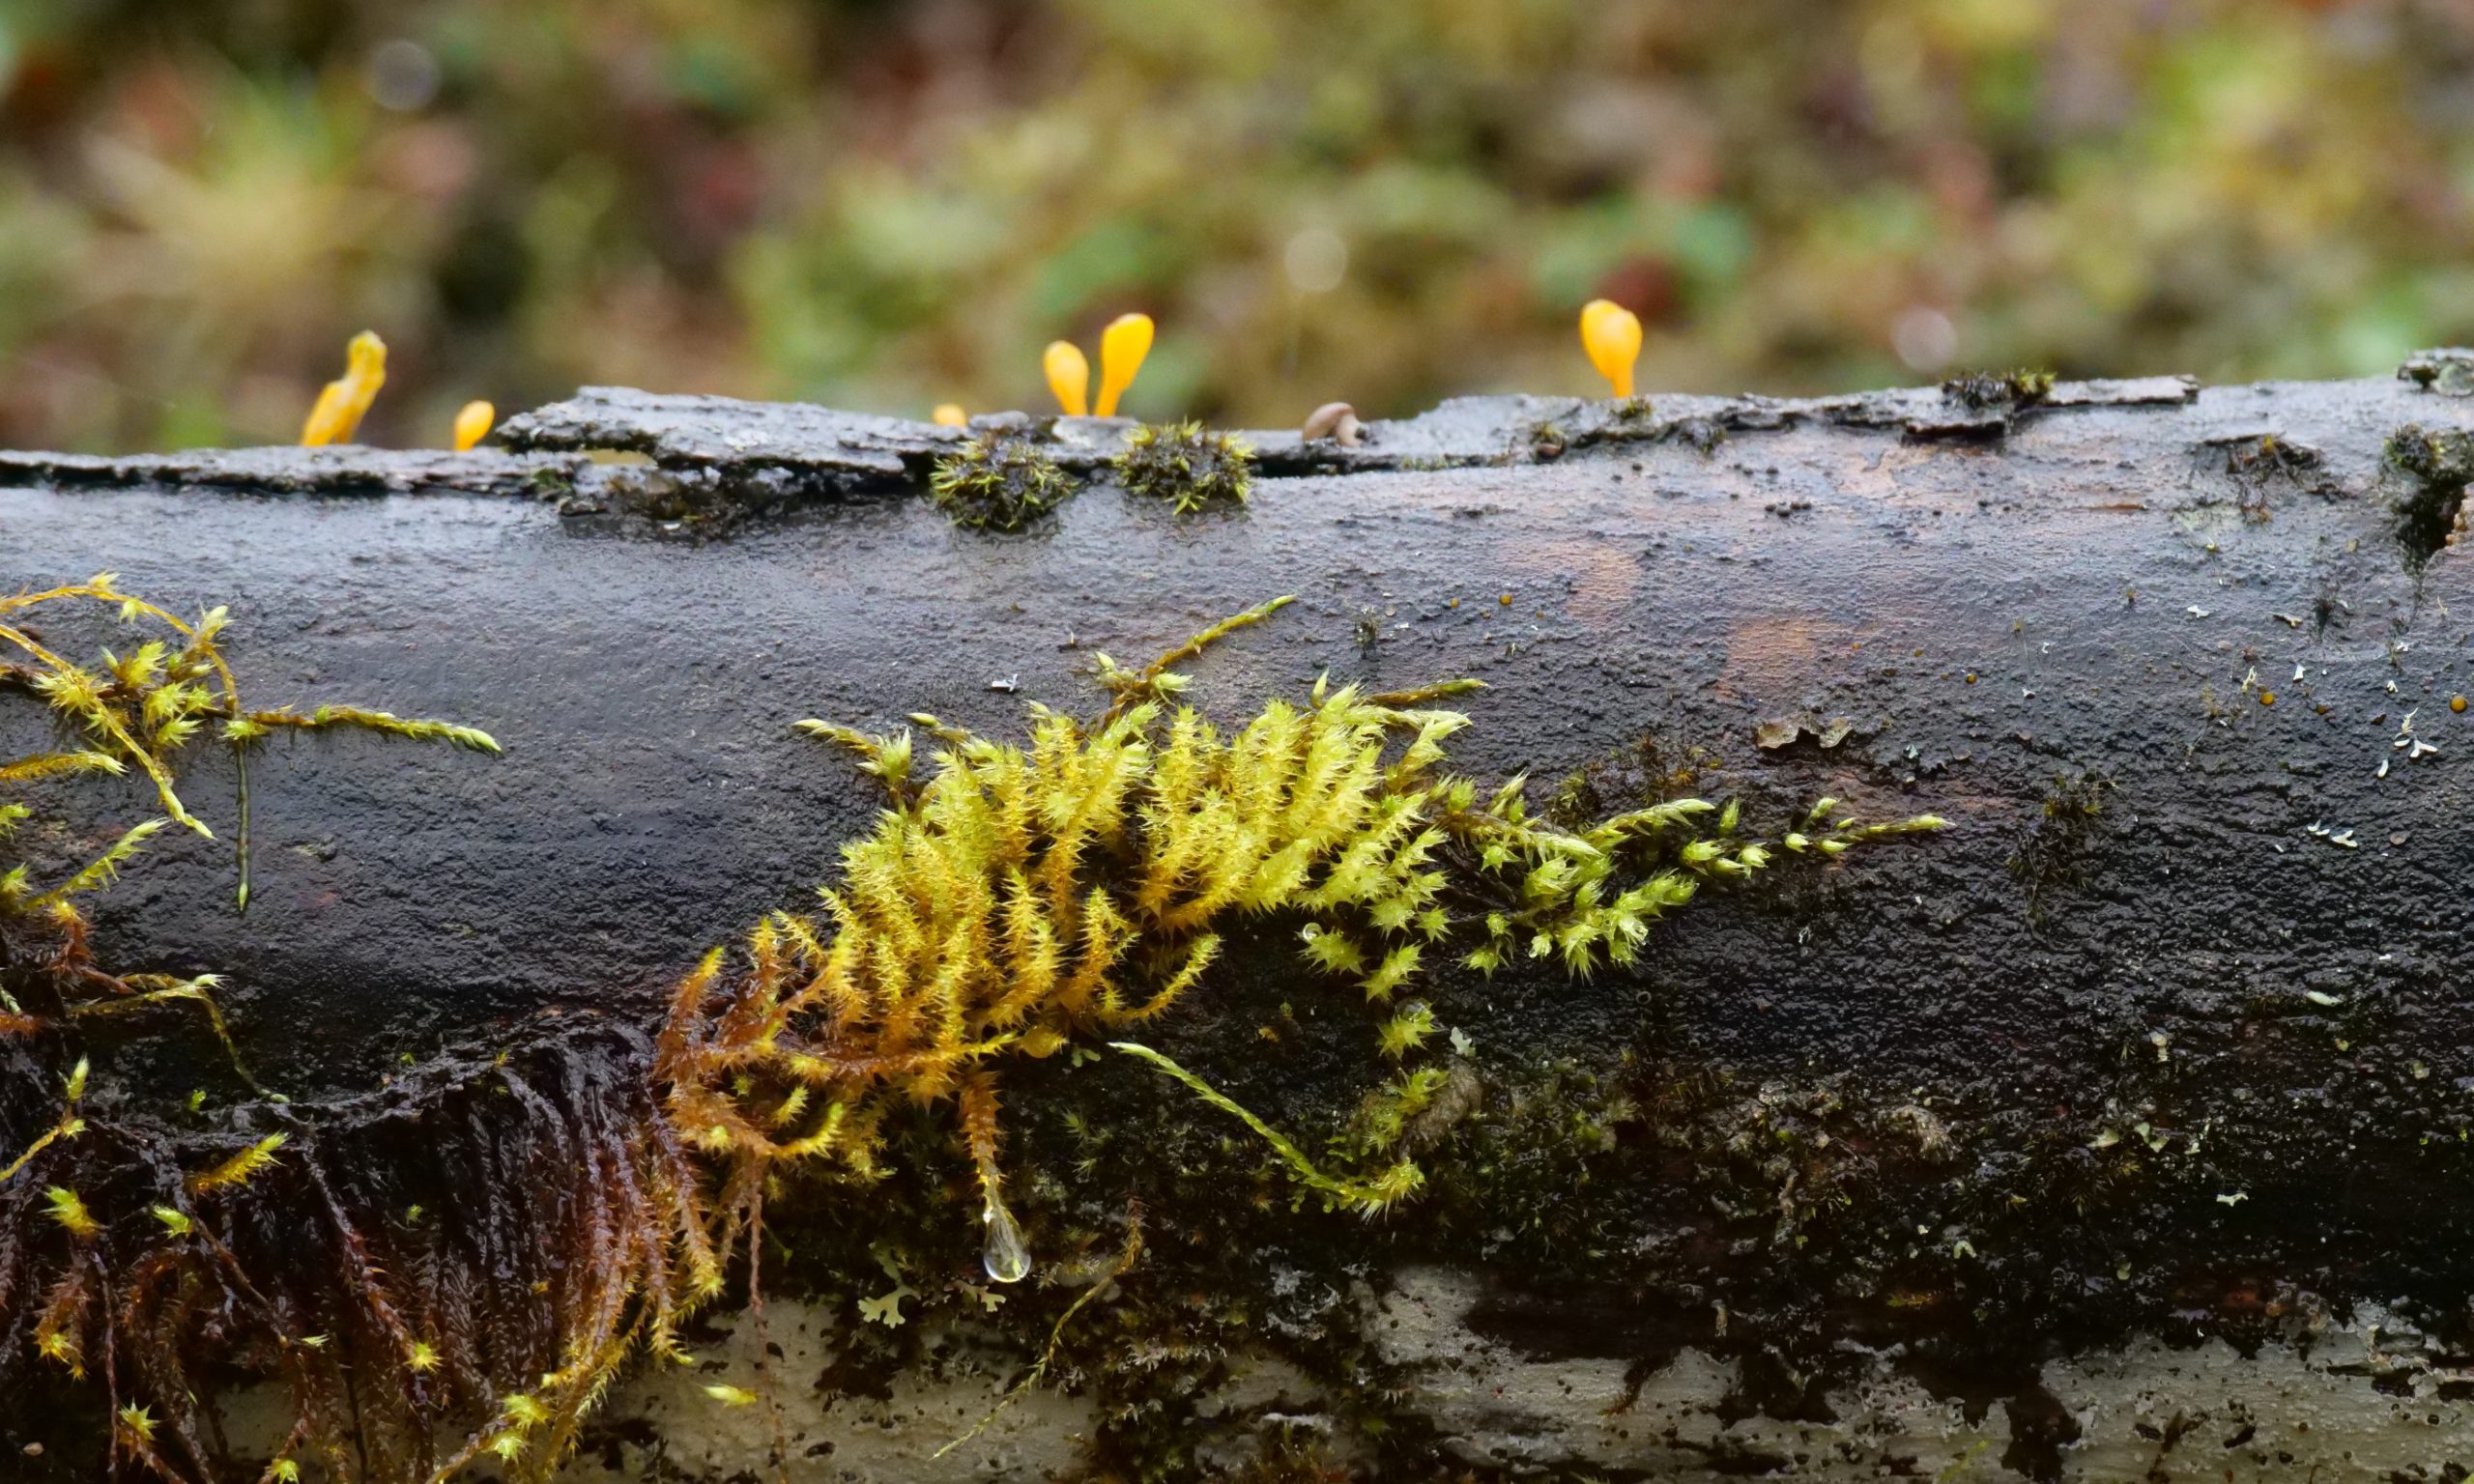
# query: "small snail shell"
[[1334, 421]]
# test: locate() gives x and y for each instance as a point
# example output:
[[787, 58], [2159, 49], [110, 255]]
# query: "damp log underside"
[[2120, 1124]]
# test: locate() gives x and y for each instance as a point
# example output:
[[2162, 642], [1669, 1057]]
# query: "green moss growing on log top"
[[997, 483], [1986, 391], [1186, 466]]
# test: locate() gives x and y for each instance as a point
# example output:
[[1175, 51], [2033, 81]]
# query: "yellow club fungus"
[[336, 415], [1611, 335], [473, 423], [950, 414], [1069, 377], [1122, 347]]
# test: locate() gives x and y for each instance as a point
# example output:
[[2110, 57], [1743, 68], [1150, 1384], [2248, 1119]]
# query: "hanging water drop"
[[1007, 1259]]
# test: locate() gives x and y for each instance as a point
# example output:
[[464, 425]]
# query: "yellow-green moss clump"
[[997, 483], [1186, 464], [2000, 389], [1018, 899]]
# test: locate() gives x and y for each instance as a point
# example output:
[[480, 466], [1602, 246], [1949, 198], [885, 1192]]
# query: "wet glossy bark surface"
[[2251, 963]]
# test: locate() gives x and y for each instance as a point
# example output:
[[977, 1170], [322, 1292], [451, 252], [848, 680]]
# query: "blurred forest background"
[[892, 203]]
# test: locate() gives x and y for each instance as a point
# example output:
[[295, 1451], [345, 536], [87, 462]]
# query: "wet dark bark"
[[2169, 1030]]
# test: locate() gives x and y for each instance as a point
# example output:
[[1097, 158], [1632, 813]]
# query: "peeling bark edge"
[[549, 453]]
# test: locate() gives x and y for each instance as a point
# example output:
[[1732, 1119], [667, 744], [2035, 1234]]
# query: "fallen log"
[[2123, 1118]]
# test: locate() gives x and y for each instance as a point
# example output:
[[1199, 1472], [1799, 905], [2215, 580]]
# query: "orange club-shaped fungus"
[[473, 423], [1611, 335], [1123, 347], [1069, 377], [337, 415], [950, 414]]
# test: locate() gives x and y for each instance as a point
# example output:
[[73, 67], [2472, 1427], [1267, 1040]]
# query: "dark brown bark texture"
[[2168, 1032]]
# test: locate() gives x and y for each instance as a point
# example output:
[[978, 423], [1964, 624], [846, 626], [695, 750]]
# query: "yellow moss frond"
[[239, 1169], [103, 869], [1393, 972], [1199, 955], [59, 1330], [71, 1212], [1331, 950], [42, 765], [1368, 1197], [1441, 689], [1406, 1030], [386, 722]]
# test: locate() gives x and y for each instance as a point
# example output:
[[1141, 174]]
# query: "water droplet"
[[1005, 1256]]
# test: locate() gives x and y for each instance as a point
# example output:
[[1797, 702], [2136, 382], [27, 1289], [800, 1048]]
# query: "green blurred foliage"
[[888, 204]]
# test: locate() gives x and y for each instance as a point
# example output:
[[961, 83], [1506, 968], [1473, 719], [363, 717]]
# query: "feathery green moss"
[[1025, 899]]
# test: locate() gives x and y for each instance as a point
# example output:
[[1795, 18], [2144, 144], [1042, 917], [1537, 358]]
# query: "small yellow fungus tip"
[[473, 423], [1069, 377], [732, 1396], [950, 414], [337, 415], [1611, 335], [1123, 345]]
